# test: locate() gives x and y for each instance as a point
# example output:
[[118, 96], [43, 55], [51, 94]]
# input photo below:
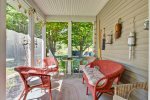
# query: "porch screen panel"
[[38, 43], [16, 47], [82, 33], [57, 42]]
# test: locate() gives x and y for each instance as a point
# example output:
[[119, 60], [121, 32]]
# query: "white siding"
[[136, 69]]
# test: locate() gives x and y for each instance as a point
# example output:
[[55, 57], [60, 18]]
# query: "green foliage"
[[56, 32], [82, 35], [16, 20], [10, 70], [62, 66]]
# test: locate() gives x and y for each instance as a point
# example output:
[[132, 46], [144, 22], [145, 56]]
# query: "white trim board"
[[38, 10], [63, 18]]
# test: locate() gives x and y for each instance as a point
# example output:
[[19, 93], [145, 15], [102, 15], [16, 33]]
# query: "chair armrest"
[[44, 77], [35, 74], [104, 78], [109, 80], [38, 74]]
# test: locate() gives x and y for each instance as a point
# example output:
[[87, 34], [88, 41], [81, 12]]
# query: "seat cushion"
[[34, 80], [52, 73], [81, 67], [93, 76], [52, 66]]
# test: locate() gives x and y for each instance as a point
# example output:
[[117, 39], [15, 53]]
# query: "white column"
[[69, 45], [31, 38], [43, 42], [94, 31], [3, 49]]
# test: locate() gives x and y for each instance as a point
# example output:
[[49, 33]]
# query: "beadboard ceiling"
[[70, 7]]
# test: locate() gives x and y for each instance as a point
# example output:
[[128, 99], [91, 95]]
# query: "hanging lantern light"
[[146, 24]]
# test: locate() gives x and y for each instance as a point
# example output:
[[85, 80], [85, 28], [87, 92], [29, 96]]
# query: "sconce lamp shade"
[[146, 24], [109, 39]]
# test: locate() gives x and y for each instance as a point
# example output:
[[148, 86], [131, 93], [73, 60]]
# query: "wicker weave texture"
[[125, 89]]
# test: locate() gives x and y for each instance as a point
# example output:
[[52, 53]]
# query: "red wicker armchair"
[[51, 64], [33, 78]]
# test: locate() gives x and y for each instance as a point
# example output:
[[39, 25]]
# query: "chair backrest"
[[48, 61], [107, 67]]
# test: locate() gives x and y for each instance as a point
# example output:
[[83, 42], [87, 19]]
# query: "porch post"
[[94, 35], [94, 31], [31, 32], [69, 45], [3, 49], [43, 42]]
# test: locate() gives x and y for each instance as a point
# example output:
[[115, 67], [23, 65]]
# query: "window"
[[38, 43]]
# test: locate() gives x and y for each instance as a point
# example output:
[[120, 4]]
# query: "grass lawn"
[[10, 70]]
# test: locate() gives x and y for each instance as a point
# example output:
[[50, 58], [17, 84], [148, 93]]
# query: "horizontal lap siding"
[[136, 69]]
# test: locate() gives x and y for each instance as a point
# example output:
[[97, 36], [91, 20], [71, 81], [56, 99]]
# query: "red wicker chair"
[[51, 64], [29, 73], [112, 72]]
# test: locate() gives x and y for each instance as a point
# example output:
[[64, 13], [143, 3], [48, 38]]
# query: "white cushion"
[[85, 68], [52, 66], [93, 76], [34, 80], [81, 67], [52, 73]]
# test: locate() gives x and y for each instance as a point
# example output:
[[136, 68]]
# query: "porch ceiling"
[[70, 7]]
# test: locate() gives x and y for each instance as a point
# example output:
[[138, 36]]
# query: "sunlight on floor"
[[65, 89]]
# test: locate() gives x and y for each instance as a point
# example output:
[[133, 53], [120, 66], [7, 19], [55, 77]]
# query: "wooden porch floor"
[[70, 88]]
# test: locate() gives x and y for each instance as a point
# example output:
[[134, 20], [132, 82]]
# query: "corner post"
[[3, 49], [31, 32], [69, 46], [43, 42]]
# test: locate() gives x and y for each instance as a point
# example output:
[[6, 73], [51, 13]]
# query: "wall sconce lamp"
[[109, 38], [146, 24]]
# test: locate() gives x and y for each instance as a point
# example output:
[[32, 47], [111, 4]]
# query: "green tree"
[[56, 32], [15, 20], [82, 36]]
